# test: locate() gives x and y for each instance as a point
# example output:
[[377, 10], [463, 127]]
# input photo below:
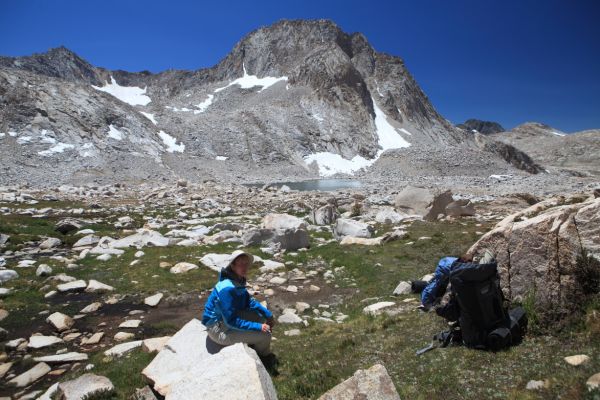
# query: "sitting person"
[[232, 316]]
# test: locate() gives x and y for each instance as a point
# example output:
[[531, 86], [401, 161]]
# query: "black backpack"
[[477, 304]]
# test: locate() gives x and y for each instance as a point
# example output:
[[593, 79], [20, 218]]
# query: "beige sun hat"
[[239, 253]]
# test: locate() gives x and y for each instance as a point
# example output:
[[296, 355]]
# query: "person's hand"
[[271, 322], [266, 328]]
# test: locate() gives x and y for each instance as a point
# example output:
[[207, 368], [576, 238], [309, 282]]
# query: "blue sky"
[[506, 61]]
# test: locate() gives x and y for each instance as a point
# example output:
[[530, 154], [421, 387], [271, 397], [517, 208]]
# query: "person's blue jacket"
[[227, 299], [439, 281]]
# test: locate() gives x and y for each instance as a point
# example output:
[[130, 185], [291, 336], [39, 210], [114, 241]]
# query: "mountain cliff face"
[[295, 99]]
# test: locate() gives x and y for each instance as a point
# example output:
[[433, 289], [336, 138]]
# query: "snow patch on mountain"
[[183, 109], [250, 81], [129, 94], [57, 148], [558, 133], [332, 163], [114, 133], [149, 116], [87, 150], [171, 143], [24, 139], [387, 134], [221, 158], [201, 107], [387, 138]]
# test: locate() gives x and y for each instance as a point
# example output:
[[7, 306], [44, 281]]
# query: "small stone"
[[183, 267], [123, 336], [43, 270], [30, 376], [62, 358], [278, 280], [60, 321], [131, 324], [577, 360], [535, 385], [292, 332], [98, 287], [91, 308], [72, 286], [39, 342], [86, 386], [153, 301], [403, 288], [123, 348], [289, 318], [301, 306], [593, 382], [375, 309], [94, 339]]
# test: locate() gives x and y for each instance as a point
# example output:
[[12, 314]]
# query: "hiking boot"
[[271, 363]]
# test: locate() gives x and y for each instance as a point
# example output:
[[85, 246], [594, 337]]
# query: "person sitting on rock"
[[232, 316]]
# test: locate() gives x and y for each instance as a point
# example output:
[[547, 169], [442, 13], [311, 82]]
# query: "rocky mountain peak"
[[483, 127], [58, 62], [536, 129]]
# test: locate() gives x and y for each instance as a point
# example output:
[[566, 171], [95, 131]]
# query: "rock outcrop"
[[431, 205], [191, 366], [538, 252]]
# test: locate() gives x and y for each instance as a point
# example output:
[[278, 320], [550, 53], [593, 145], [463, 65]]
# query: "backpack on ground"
[[477, 303]]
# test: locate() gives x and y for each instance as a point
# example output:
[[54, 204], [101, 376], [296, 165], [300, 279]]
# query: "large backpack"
[[485, 322]]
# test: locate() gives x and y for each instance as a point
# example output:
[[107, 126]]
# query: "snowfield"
[[387, 138], [201, 107], [332, 163], [170, 142], [250, 81], [129, 94]]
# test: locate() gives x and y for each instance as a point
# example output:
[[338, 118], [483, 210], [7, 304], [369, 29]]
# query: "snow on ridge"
[[114, 133], [59, 147], [149, 116], [171, 143], [387, 138], [201, 107], [250, 81], [129, 94], [557, 133], [183, 109], [24, 139]]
